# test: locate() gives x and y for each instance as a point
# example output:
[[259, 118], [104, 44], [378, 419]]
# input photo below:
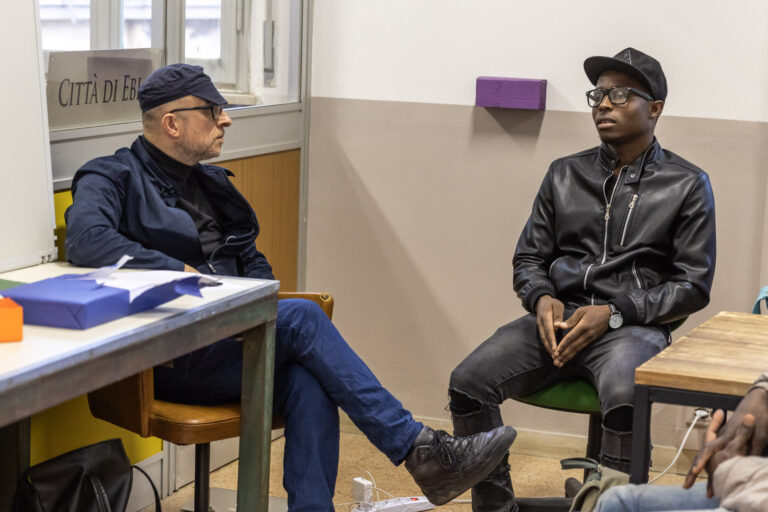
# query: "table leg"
[[641, 436], [256, 418], [14, 447]]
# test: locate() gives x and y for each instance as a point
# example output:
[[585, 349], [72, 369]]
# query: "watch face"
[[616, 321]]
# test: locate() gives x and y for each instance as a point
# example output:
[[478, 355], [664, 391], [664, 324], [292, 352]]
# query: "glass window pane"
[[137, 23], [276, 55], [66, 24], [202, 34]]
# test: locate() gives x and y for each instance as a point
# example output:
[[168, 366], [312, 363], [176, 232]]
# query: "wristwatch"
[[616, 319]]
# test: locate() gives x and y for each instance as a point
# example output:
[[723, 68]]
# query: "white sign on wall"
[[97, 87]]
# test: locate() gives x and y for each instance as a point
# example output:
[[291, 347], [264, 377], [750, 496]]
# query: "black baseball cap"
[[176, 81], [634, 63]]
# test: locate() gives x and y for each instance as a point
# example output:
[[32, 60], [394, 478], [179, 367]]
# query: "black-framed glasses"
[[215, 110], [617, 95]]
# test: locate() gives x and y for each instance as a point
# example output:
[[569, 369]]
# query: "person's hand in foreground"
[[743, 434]]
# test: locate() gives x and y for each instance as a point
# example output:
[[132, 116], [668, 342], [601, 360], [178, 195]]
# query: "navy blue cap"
[[174, 82]]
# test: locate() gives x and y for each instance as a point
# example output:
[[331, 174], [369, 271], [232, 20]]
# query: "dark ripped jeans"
[[513, 362]]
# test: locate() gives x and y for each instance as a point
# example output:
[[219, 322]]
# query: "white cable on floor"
[[698, 414]]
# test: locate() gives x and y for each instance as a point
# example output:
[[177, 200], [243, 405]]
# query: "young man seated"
[[620, 244]]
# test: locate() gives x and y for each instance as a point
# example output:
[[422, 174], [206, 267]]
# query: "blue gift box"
[[76, 303]]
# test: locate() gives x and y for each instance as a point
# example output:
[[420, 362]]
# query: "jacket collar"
[[164, 185], [169, 191], [608, 159]]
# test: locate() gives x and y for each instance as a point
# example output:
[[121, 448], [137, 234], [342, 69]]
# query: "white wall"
[[714, 53], [26, 198]]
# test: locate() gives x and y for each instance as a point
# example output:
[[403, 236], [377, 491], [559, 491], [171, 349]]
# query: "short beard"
[[198, 153]]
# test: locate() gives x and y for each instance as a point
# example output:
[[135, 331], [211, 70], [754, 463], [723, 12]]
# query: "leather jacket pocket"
[[628, 219]]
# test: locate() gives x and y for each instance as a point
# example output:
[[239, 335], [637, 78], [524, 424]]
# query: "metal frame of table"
[[167, 332]]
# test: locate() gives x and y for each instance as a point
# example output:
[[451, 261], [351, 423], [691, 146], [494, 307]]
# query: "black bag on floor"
[[94, 478]]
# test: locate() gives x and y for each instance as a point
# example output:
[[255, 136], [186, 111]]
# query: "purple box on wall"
[[524, 93]]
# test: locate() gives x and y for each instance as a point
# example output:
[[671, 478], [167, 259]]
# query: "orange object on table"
[[11, 320]]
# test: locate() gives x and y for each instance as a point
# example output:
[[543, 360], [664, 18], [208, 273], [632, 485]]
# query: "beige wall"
[[415, 209]]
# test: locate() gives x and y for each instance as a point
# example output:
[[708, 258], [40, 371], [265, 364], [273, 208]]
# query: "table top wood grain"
[[723, 355]]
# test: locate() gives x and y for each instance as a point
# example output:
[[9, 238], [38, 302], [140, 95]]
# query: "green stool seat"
[[570, 395]]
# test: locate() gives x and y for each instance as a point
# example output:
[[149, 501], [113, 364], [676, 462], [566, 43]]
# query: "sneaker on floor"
[[445, 466]]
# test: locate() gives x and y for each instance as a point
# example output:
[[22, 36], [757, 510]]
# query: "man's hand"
[[549, 311], [586, 324], [737, 446], [187, 268], [717, 448]]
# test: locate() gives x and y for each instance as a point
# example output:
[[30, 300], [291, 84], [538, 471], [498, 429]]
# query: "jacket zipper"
[[607, 217], [634, 273], [626, 221], [586, 274]]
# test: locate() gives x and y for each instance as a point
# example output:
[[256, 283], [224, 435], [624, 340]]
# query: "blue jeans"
[[315, 373], [513, 363], [657, 498]]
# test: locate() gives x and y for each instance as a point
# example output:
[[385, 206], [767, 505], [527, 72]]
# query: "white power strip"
[[362, 492], [409, 504]]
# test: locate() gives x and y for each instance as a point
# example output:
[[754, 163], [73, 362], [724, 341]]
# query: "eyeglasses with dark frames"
[[215, 110], [617, 95]]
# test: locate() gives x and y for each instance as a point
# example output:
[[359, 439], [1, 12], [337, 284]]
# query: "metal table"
[[52, 365], [712, 366]]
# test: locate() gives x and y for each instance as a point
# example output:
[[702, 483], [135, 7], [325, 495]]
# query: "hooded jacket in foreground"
[[648, 247]]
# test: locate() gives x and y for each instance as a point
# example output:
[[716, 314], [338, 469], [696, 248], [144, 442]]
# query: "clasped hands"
[[586, 324]]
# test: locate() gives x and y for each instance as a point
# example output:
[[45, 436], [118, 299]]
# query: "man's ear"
[[170, 125], [655, 108]]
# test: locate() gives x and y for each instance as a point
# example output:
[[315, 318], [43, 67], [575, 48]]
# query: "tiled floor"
[[532, 476]]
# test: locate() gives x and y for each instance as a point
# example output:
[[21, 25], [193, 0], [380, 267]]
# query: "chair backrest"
[[126, 403]]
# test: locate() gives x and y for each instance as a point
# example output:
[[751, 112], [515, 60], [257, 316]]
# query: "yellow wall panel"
[[70, 425]]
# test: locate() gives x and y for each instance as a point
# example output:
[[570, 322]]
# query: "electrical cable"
[[698, 414], [375, 487]]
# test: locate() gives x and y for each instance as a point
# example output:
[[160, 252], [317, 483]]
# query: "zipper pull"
[[632, 202], [607, 212]]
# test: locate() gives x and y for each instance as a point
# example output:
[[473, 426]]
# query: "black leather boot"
[[495, 492], [445, 466]]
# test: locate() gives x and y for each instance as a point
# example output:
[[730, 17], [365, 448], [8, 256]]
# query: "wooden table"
[[712, 366], [53, 365]]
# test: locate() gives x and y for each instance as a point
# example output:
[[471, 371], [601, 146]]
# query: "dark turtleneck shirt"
[[192, 197]]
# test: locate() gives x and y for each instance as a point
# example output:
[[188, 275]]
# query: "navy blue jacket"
[[124, 204]]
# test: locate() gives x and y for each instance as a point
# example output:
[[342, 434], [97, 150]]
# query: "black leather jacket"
[[647, 247]]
